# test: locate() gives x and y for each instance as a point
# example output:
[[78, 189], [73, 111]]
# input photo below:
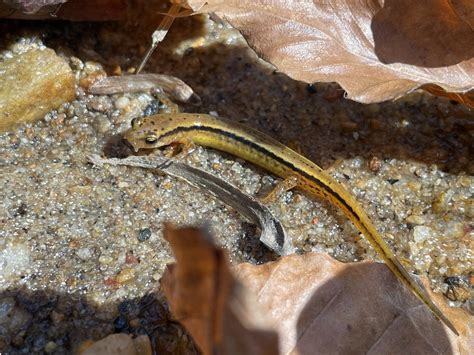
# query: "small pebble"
[[122, 103], [102, 124], [374, 164], [123, 184], [404, 122], [76, 63], [144, 234], [422, 233], [120, 323], [105, 259], [135, 323], [50, 347], [153, 108], [125, 275], [100, 103], [84, 253], [7, 305], [92, 67], [14, 260], [415, 219], [131, 259]]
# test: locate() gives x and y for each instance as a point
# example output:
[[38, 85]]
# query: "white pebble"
[[84, 253], [123, 184], [422, 233], [14, 260], [122, 103]]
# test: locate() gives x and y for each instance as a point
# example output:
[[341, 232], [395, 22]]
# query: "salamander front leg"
[[280, 188], [181, 149]]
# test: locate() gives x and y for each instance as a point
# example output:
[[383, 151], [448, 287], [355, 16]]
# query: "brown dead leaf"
[[319, 303], [314, 302], [404, 32], [376, 50], [208, 301], [466, 99]]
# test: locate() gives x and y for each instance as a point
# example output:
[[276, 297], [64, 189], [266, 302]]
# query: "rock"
[[422, 233], [12, 318], [7, 306], [50, 347], [102, 124], [84, 253], [122, 103], [105, 259], [142, 345], [144, 234], [14, 260], [122, 344], [32, 84], [125, 275], [415, 219]]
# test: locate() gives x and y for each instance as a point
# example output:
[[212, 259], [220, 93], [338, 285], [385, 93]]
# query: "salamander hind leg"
[[280, 188]]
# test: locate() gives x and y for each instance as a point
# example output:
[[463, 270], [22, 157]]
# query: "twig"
[[159, 34], [273, 234], [172, 86]]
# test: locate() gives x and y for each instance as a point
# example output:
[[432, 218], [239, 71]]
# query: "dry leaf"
[[319, 303], [206, 299], [314, 302], [466, 99], [376, 50]]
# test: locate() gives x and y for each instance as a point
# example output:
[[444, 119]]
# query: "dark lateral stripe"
[[264, 151]]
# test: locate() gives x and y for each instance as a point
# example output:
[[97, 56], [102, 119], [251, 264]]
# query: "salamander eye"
[[151, 140], [136, 122]]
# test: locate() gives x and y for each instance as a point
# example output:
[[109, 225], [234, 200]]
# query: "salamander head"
[[149, 132]]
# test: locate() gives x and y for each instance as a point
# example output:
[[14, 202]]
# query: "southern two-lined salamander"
[[249, 144]]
